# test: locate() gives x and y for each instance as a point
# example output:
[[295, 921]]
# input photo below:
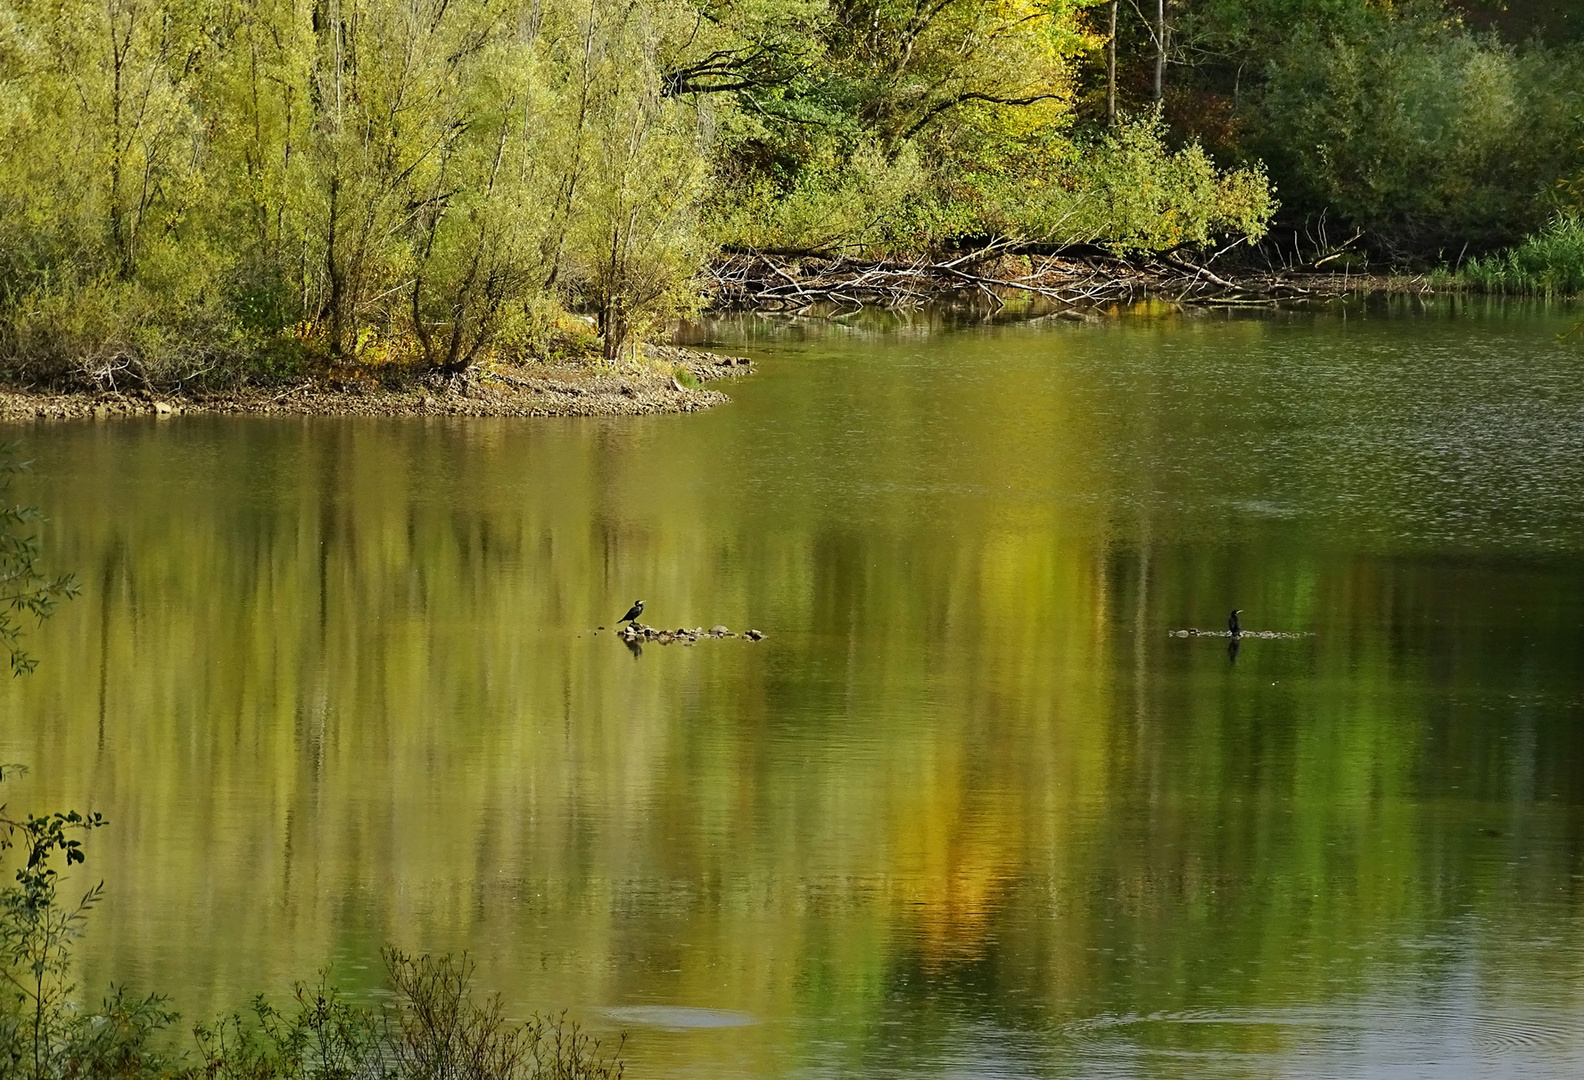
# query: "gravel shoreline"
[[535, 389]]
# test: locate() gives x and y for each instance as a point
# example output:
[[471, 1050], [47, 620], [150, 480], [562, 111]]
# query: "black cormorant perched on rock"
[[1232, 623], [632, 613]]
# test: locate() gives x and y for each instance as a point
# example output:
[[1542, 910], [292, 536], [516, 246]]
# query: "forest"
[[197, 192]]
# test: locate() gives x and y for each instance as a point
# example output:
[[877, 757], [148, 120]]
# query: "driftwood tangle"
[[800, 283]]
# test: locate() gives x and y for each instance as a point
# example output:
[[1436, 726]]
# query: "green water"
[[967, 810]]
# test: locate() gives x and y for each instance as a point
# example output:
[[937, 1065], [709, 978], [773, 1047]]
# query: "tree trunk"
[[333, 270], [1160, 45], [1111, 68]]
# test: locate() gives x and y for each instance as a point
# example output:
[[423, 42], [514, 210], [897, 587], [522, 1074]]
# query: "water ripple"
[[677, 1017]]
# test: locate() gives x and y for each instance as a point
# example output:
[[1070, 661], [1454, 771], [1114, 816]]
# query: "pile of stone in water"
[[637, 631], [1266, 634]]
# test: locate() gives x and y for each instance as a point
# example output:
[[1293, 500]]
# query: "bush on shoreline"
[[434, 1030], [1419, 131], [1416, 124]]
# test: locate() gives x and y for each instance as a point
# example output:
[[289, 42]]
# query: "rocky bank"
[[650, 385]]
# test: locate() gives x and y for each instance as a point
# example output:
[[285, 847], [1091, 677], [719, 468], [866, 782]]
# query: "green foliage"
[[1135, 193], [1550, 263], [1127, 189], [262, 189], [911, 129], [124, 1039], [323, 1037], [1396, 119], [438, 1029], [856, 202], [634, 251], [951, 75]]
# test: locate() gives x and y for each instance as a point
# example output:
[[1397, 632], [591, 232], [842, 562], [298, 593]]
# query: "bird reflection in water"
[[634, 646], [1233, 646]]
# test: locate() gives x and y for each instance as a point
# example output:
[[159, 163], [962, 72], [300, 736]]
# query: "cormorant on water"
[[1232, 623], [632, 613]]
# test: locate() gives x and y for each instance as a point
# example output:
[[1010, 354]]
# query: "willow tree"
[[422, 172], [342, 181], [101, 167], [417, 152], [636, 244]]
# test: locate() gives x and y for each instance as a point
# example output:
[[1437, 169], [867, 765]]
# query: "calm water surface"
[[968, 810]]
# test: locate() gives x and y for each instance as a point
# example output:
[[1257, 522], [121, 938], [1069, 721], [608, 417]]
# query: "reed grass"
[[1547, 263]]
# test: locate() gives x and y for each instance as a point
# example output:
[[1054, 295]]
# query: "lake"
[[969, 809]]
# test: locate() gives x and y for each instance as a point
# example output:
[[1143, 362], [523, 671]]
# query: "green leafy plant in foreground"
[[42, 1032], [434, 1029], [36, 933]]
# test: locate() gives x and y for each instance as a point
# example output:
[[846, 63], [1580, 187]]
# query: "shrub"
[[836, 204], [42, 1035], [1134, 193], [1129, 190], [1405, 123], [434, 1030]]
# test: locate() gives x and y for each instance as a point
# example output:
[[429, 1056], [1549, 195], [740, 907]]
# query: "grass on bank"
[[1548, 263]]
